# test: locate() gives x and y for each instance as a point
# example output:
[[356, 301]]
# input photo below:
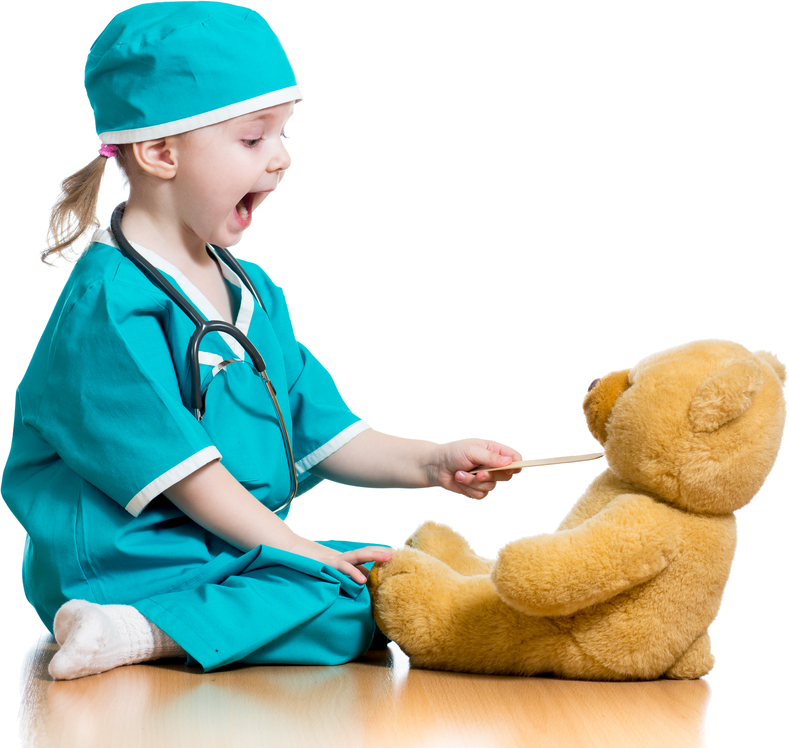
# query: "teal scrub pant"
[[268, 607]]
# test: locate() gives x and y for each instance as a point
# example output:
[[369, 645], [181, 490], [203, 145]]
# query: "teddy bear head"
[[698, 425]]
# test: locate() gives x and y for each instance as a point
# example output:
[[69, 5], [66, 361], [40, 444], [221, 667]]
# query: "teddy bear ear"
[[780, 369], [726, 395]]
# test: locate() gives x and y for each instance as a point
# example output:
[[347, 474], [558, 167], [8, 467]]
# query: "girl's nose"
[[280, 160]]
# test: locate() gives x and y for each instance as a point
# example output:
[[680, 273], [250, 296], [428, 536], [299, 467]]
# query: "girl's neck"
[[151, 226], [173, 243]]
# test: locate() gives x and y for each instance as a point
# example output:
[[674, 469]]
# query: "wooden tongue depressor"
[[535, 463]]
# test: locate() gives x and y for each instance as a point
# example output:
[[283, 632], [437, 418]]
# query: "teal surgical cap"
[[164, 68]]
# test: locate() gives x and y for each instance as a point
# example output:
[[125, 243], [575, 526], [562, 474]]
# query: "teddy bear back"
[[699, 425]]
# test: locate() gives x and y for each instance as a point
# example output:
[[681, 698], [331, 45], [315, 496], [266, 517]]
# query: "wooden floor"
[[377, 701]]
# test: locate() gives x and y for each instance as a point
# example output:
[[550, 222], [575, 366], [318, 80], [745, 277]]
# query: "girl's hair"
[[75, 211]]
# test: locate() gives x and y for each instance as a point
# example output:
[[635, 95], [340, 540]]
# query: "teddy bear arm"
[[626, 544]]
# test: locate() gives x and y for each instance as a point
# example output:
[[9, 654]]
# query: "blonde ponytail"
[[75, 211]]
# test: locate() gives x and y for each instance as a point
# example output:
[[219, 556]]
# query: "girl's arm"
[[214, 499], [378, 460]]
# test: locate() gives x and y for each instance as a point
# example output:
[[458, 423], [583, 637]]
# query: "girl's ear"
[[156, 157]]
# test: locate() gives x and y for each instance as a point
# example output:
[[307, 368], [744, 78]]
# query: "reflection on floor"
[[376, 701]]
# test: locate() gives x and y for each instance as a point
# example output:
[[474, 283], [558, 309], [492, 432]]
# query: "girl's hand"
[[214, 499], [452, 461], [349, 563]]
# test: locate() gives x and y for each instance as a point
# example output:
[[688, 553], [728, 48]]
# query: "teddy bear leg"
[[695, 662], [446, 545], [447, 621], [412, 605]]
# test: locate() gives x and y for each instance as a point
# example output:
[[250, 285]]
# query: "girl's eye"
[[255, 141]]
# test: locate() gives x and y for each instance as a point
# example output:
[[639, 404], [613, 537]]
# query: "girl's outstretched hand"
[[349, 563], [453, 461]]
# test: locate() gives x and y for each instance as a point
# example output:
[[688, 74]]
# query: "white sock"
[[94, 638]]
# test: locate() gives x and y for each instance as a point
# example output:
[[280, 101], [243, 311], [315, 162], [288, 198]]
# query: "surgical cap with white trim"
[[164, 68]]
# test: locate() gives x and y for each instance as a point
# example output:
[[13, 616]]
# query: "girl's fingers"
[[353, 573], [482, 483], [468, 486], [497, 449], [473, 486], [351, 563], [366, 555], [371, 553], [492, 454], [357, 572], [350, 570]]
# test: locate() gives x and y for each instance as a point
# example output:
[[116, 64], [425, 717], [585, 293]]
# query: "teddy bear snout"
[[600, 399]]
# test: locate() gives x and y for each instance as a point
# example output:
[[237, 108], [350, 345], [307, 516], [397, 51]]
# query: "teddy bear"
[[627, 586]]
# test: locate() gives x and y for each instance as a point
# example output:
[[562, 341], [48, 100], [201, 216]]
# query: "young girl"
[[155, 514]]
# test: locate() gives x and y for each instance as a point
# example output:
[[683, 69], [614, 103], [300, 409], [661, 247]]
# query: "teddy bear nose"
[[593, 384]]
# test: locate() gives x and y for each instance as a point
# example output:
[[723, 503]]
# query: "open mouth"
[[244, 208]]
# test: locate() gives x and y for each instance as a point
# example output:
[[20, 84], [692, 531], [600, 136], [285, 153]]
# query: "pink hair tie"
[[108, 151]]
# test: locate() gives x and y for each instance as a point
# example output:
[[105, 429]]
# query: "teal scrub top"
[[103, 427]]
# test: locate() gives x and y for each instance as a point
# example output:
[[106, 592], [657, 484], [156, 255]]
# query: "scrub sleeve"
[[101, 430]]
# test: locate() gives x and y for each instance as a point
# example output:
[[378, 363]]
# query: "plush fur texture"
[[628, 585]]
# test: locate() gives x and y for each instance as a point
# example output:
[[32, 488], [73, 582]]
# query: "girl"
[[155, 512]]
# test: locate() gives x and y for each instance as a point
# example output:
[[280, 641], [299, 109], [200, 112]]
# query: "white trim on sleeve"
[[331, 446], [170, 478]]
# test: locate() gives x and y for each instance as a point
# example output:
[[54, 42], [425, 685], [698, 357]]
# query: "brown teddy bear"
[[627, 586]]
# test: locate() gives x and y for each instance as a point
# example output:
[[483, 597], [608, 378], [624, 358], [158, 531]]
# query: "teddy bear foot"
[[444, 620], [695, 663], [443, 543], [412, 604]]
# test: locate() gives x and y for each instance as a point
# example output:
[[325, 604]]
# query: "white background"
[[490, 205]]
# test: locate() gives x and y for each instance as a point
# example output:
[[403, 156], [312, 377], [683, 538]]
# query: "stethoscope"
[[203, 327]]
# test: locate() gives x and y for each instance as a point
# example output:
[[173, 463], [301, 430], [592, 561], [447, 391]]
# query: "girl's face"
[[226, 170]]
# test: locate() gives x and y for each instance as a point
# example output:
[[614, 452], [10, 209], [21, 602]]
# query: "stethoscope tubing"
[[203, 327]]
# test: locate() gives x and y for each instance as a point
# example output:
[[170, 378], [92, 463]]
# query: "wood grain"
[[543, 461], [376, 701]]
